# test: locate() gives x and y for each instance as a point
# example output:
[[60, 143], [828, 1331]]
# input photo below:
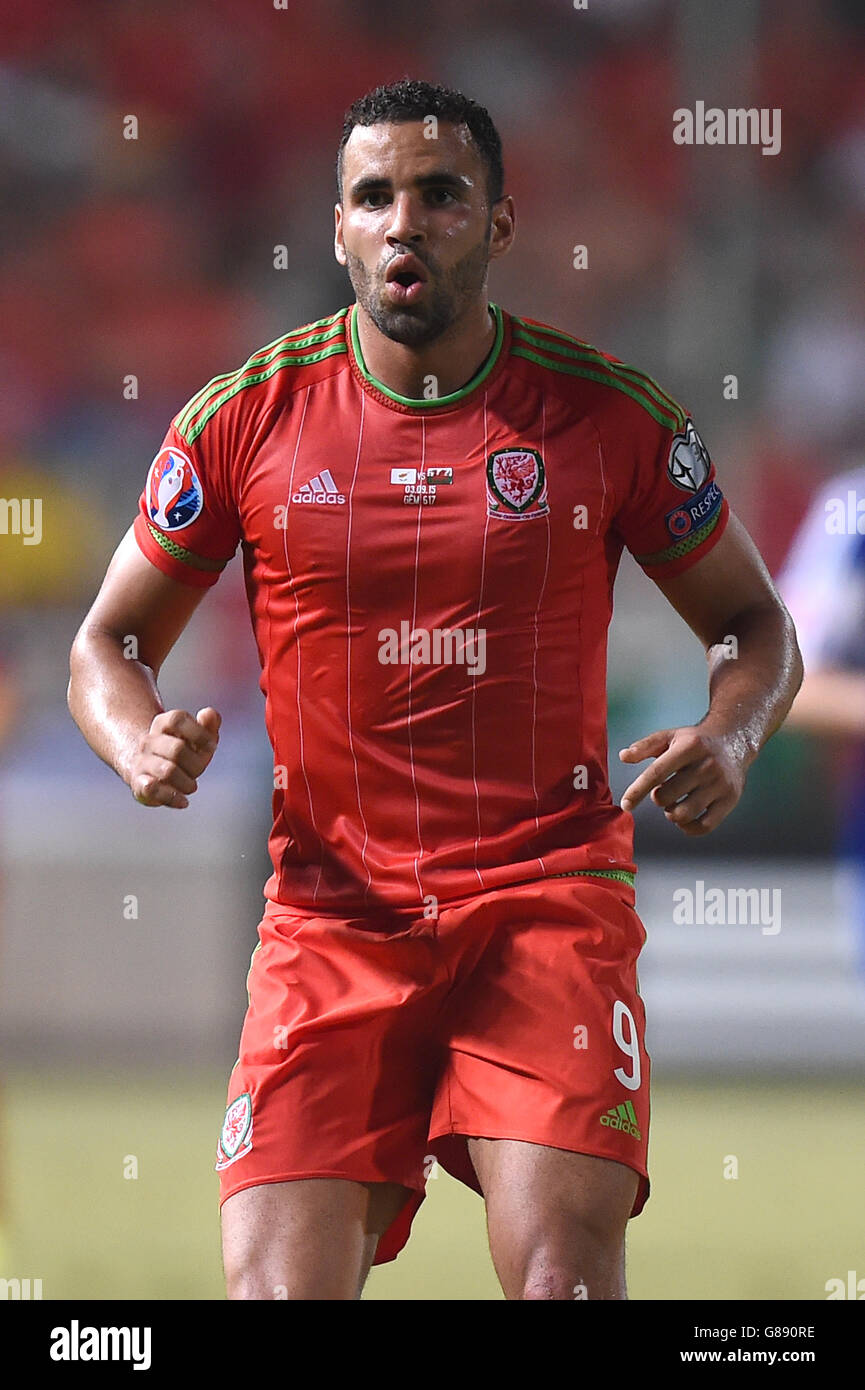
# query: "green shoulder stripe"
[[593, 367], [576, 348], [321, 329], [667, 421], [311, 335], [683, 547], [232, 387]]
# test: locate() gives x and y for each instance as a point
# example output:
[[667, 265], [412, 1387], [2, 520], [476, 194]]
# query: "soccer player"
[[432, 496]]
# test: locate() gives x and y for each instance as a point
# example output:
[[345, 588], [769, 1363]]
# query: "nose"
[[406, 222]]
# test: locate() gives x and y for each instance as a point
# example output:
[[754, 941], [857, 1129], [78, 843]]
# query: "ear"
[[338, 243], [503, 227]]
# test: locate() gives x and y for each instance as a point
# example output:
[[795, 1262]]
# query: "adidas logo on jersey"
[[622, 1117], [320, 490]]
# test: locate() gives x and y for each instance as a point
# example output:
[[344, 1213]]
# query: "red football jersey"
[[430, 583]]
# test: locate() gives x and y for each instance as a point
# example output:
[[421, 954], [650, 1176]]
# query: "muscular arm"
[[755, 668], [137, 617]]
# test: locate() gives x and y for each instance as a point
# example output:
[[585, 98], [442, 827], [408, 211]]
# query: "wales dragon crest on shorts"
[[516, 485], [235, 1138]]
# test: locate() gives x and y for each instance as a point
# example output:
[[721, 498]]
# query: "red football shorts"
[[373, 1046]]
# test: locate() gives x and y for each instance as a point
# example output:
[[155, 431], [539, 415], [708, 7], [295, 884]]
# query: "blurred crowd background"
[[151, 259], [132, 270]]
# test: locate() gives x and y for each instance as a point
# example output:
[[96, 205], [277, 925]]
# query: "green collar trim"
[[435, 401]]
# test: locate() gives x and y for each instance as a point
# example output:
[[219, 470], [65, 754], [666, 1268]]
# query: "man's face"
[[414, 228]]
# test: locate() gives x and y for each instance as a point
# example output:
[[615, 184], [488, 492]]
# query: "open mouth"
[[405, 290], [405, 278]]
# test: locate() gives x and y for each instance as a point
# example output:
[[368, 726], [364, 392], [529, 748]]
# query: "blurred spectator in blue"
[[823, 585]]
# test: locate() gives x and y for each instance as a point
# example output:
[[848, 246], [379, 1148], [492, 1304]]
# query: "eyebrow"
[[437, 178]]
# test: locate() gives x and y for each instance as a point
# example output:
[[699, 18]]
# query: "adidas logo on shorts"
[[622, 1117]]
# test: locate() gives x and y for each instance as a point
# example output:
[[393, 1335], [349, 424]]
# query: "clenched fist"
[[171, 757]]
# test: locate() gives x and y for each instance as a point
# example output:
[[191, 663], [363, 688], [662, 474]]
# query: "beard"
[[448, 294]]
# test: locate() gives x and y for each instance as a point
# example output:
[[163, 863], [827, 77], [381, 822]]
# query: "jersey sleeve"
[[672, 511], [187, 523]]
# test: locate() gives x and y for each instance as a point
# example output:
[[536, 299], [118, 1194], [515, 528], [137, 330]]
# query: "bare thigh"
[[556, 1220], [312, 1238]]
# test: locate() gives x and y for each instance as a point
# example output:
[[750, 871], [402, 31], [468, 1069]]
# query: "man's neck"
[[452, 360]]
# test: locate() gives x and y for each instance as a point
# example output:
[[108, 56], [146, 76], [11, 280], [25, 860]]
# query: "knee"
[[245, 1279], [590, 1265], [563, 1282], [250, 1275], [553, 1281]]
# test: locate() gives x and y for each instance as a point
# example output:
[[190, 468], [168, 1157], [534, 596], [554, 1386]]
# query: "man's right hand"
[[172, 755]]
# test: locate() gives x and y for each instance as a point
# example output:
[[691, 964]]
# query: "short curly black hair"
[[410, 100]]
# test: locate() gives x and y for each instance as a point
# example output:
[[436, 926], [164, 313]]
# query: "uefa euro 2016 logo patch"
[[516, 485], [174, 495], [235, 1139]]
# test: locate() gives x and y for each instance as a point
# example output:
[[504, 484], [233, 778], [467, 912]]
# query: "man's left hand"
[[696, 776]]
